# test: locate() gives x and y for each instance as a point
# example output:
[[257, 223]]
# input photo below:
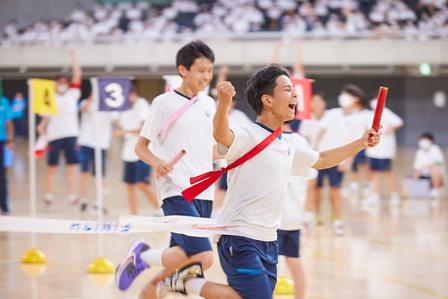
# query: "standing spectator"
[[136, 172], [6, 140], [91, 136], [381, 159], [19, 114], [62, 131]]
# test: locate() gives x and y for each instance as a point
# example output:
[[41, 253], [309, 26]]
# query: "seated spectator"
[[429, 163]]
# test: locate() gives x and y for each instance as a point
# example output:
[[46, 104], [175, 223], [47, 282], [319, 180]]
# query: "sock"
[[152, 257], [194, 286]]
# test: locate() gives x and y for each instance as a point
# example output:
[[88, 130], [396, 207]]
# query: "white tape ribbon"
[[192, 226]]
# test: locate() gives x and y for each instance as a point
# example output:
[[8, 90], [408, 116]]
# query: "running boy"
[[254, 199], [192, 132]]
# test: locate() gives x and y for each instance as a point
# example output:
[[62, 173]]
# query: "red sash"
[[205, 180]]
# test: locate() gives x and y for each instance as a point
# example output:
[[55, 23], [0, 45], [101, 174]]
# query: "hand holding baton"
[[176, 159]]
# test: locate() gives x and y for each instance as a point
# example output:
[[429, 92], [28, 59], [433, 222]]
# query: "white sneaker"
[[394, 200], [354, 188], [338, 228], [371, 201], [176, 282], [434, 193]]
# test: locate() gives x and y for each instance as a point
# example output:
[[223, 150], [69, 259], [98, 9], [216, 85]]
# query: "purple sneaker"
[[132, 266]]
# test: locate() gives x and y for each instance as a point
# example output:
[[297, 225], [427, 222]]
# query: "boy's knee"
[[206, 259]]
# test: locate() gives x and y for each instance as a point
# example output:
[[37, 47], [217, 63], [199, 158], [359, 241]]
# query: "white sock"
[[194, 286], [152, 257]]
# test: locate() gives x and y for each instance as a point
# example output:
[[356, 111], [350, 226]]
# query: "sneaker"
[[132, 266], [338, 228], [394, 200], [176, 282], [73, 199], [371, 201], [434, 193]]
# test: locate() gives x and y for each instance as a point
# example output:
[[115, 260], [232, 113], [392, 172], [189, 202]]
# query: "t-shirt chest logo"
[[289, 151], [207, 113]]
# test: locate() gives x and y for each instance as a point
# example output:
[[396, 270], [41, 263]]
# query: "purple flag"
[[113, 94]]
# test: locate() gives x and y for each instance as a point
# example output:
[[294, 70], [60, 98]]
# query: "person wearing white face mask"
[[381, 159], [429, 164], [339, 126], [62, 131]]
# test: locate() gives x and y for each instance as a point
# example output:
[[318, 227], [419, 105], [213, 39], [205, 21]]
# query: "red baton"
[[381, 102]]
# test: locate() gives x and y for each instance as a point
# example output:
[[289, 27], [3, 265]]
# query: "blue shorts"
[[288, 243], [250, 265], [86, 157], [136, 172], [223, 181], [177, 205], [68, 146], [334, 175], [380, 164], [359, 159]]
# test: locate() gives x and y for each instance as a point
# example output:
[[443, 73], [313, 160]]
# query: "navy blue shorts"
[[223, 181], [68, 146], [380, 164], [177, 205], [288, 243], [359, 159], [334, 175], [86, 156], [250, 265], [136, 172]]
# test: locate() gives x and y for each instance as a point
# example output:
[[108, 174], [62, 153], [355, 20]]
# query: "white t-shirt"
[[132, 120], [310, 128], [238, 117], [192, 132], [296, 192], [91, 136], [426, 159], [256, 189], [387, 148], [65, 123], [341, 128]]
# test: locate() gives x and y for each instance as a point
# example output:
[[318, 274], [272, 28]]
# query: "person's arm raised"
[[221, 129]]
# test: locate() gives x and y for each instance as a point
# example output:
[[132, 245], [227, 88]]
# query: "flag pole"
[[32, 255]]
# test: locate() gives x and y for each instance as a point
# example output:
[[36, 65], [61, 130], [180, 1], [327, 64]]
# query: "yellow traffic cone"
[[101, 265], [284, 286], [34, 256]]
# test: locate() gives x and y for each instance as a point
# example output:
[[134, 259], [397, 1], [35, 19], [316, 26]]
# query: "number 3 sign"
[[113, 93]]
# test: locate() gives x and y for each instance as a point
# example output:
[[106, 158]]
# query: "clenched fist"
[[226, 91]]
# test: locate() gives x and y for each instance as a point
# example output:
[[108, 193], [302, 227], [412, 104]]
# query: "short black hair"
[[427, 135], [262, 82], [192, 51], [355, 91], [321, 94]]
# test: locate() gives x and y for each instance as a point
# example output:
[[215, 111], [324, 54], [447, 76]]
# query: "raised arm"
[[221, 129], [335, 156], [76, 68]]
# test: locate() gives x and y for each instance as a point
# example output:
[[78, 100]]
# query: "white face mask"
[[424, 144], [345, 100], [373, 104], [61, 88]]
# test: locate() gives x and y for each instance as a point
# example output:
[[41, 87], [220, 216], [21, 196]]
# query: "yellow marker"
[[43, 95]]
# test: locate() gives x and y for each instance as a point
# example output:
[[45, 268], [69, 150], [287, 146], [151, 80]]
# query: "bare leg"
[[149, 193], [311, 201], [49, 179], [318, 200], [436, 177], [298, 276], [132, 198], [212, 290], [71, 178], [84, 185], [336, 202], [391, 180]]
